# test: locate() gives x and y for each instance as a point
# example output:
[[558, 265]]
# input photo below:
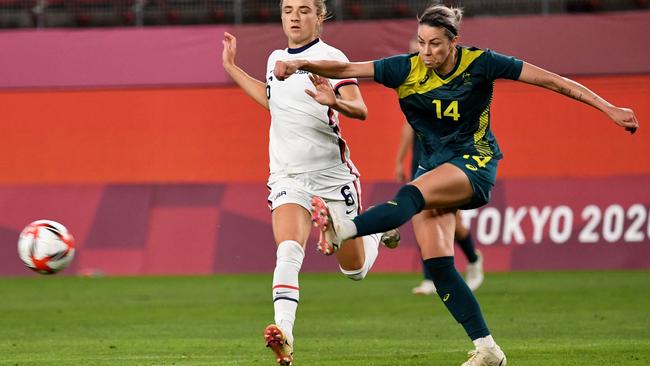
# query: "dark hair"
[[442, 16]]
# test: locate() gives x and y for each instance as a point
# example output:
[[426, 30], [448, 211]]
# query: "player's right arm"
[[327, 68], [251, 86]]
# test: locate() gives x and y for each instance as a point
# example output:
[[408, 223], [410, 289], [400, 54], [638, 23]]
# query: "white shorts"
[[339, 187]]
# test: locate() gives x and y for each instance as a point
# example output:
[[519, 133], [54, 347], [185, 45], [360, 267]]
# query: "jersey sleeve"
[[270, 62], [501, 66], [392, 71], [337, 55]]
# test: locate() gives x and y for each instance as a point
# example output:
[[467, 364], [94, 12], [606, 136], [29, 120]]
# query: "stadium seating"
[[102, 13]]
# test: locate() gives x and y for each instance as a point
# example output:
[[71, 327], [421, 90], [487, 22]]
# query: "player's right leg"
[[291, 227], [277, 341]]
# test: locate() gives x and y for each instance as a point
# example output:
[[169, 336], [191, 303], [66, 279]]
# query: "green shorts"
[[482, 174]]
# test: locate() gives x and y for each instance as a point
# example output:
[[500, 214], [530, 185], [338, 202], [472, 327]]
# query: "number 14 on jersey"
[[450, 111]]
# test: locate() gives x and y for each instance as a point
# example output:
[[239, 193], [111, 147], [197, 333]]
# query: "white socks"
[[346, 229], [286, 291], [487, 341], [371, 250]]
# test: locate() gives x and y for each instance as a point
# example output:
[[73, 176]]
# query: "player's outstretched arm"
[[327, 68], [623, 117], [251, 86]]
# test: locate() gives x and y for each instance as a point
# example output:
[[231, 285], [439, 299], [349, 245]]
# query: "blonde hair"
[[321, 8], [442, 16]]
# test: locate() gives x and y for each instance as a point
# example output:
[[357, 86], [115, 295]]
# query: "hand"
[[324, 92], [624, 117], [229, 50], [284, 69]]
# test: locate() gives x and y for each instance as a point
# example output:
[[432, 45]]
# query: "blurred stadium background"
[[102, 13], [119, 122]]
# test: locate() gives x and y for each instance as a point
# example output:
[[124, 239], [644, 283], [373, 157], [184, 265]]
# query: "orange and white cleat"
[[277, 341], [321, 216]]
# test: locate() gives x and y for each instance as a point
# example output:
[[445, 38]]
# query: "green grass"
[[566, 318]]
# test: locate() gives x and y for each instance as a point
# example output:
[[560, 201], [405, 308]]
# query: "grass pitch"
[[566, 318]]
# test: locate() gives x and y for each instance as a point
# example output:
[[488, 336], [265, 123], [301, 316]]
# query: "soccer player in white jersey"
[[308, 157]]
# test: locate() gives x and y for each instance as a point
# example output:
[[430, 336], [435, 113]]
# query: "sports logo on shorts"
[[283, 193]]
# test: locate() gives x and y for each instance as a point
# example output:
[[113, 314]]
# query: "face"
[[434, 46], [300, 21]]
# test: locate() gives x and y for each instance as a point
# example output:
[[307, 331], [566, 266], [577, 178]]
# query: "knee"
[[410, 195], [290, 251]]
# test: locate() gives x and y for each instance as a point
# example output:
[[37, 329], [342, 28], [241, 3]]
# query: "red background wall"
[[219, 135]]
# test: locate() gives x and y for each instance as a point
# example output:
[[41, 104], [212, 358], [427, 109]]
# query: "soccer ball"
[[46, 246]]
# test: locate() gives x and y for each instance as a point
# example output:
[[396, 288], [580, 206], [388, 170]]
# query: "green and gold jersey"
[[451, 113]]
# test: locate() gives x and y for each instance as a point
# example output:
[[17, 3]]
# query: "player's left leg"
[[434, 230], [434, 233], [358, 255], [339, 190]]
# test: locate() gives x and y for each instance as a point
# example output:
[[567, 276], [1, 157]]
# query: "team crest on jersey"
[[467, 78]]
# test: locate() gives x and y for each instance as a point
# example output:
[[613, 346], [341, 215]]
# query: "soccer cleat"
[[426, 288], [321, 216], [390, 239], [474, 273], [486, 356], [277, 342]]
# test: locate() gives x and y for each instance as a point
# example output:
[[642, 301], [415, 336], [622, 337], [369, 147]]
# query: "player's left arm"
[[350, 103], [534, 75]]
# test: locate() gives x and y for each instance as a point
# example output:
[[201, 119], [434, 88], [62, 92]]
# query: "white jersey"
[[304, 135]]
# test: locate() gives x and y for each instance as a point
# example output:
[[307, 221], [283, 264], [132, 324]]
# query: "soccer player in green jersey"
[[444, 92], [474, 271]]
